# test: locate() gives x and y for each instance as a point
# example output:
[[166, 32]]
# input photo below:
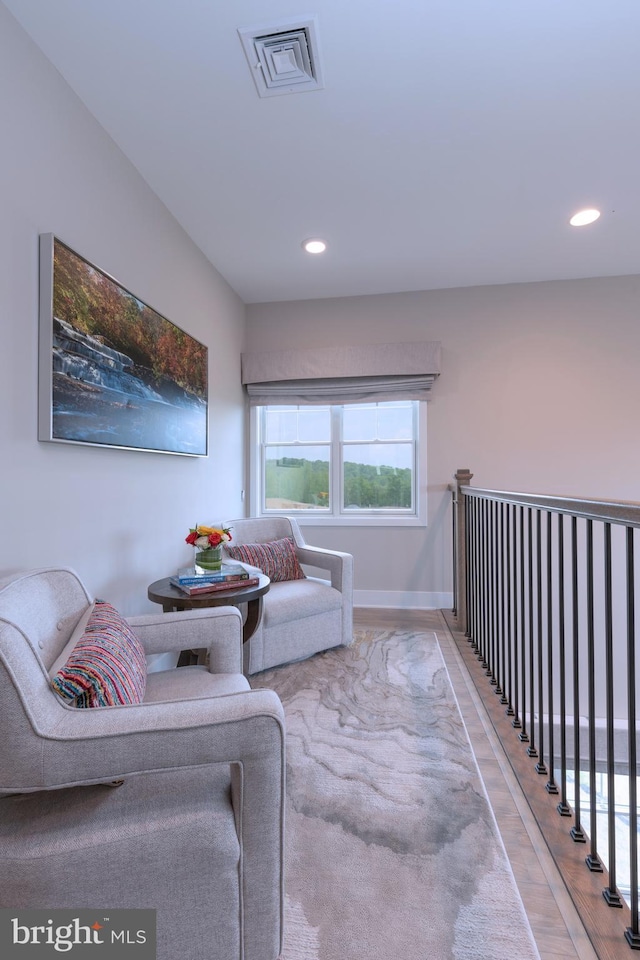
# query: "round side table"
[[171, 598]]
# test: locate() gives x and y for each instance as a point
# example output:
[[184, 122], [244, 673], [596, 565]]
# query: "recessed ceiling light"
[[583, 217], [314, 246]]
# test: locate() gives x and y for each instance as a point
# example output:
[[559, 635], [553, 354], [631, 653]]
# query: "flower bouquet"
[[208, 543]]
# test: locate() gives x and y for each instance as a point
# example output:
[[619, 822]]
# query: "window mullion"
[[336, 498]]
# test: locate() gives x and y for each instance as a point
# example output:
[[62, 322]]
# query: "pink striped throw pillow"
[[107, 666], [276, 558]]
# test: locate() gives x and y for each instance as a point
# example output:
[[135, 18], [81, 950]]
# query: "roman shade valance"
[[366, 373]]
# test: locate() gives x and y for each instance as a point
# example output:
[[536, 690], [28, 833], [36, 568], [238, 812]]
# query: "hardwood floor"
[[556, 926]]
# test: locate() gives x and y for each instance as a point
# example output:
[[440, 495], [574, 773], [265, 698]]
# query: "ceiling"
[[451, 142]]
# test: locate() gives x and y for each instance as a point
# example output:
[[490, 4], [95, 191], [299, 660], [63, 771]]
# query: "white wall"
[[539, 389], [118, 517], [539, 392]]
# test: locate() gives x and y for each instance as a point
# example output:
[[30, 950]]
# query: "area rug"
[[392, 849]]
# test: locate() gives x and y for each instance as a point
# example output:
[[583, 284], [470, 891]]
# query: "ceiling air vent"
[[284, 57]]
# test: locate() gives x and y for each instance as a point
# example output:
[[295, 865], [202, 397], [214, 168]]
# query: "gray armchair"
[[195, 828], [299, 617]]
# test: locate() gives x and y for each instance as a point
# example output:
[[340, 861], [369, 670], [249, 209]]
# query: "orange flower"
[[214, 535]]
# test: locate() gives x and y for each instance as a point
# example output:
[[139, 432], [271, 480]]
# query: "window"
[[357, 463]]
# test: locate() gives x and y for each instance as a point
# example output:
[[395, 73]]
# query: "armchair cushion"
[[294, 602], [276, 558], [106, 664]]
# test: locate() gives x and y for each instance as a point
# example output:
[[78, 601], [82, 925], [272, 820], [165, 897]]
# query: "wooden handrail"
[[626, 512]]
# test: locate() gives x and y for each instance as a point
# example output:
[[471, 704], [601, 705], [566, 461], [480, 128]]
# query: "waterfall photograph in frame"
[[112, 371]]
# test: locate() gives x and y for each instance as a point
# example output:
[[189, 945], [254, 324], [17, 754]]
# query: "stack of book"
[[230, 576]]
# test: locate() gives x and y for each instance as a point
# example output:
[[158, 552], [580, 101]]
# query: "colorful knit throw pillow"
[[276, 558], [107, 666]]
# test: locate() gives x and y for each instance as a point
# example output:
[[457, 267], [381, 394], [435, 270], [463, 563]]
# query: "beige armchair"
[[299, 617], [194, 831]]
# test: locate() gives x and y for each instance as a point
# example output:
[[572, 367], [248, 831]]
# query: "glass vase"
[[208, 560]]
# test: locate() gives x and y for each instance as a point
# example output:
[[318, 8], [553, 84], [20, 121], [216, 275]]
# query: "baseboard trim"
[[403, 599]]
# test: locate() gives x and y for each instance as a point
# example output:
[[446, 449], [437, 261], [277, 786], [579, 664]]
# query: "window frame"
[[370, 518]]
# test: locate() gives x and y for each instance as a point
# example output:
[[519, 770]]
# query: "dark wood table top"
[[171, 597]]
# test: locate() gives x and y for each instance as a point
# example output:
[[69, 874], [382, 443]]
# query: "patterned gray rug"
[[392, 849]]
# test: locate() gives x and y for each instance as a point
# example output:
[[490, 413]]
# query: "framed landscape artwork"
[[113, 372]]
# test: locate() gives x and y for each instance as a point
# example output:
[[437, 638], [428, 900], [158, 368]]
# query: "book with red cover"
[[197, 589]]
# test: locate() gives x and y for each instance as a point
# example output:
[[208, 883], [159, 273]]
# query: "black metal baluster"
[[478, 565], [563, 807], [523, 735], [482, 651], [509, 616], [517, 623], [492, 593], [472, 570], [632, 933], [478, 581], [592, 860], [516, 722], [502, 677], [467, 553], [540, 765], [577, 832], [531, 749], [551, 785], [485, 588], [496, 597], [454, 531], [610, 893]]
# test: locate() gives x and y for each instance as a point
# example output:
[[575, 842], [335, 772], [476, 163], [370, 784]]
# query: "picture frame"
[[113, 372]]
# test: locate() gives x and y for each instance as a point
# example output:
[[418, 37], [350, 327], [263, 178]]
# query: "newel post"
[[463, 479]]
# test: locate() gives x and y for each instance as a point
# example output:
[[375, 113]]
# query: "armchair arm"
[[217, 629], [109, 743], [339, 564]]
